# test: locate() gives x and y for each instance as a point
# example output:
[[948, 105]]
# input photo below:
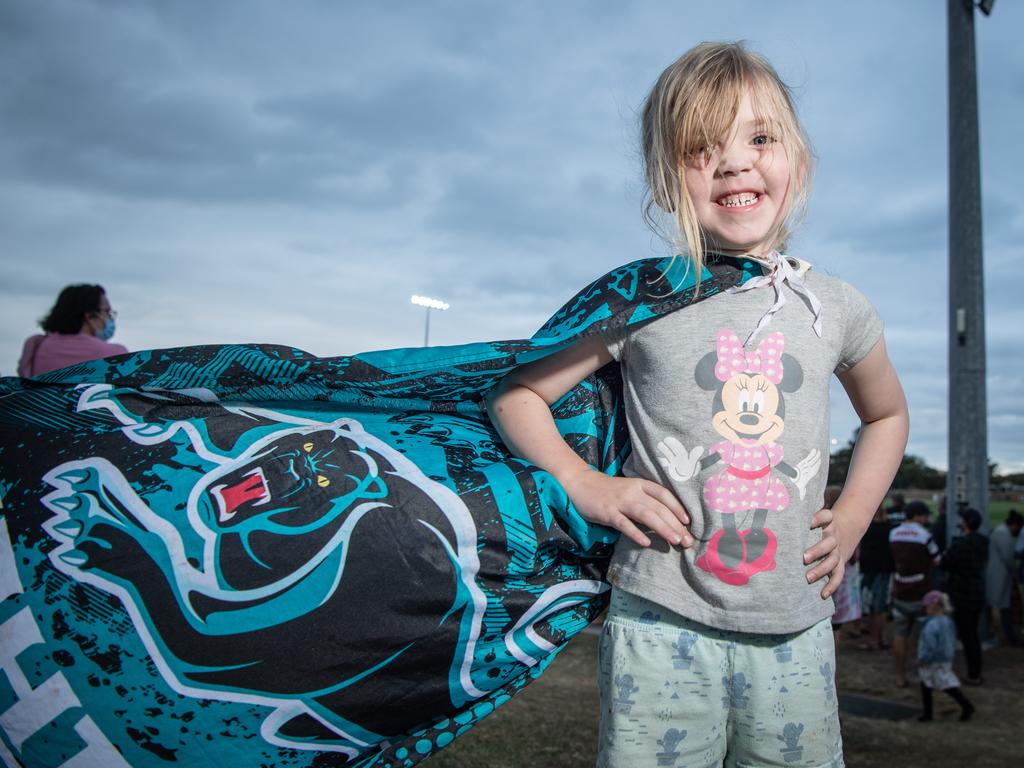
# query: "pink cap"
[[933, 597]]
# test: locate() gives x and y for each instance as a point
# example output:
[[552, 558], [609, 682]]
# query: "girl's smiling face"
[[740, 188]]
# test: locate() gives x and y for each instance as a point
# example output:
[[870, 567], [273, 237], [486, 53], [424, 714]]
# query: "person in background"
[[914, 555], [876, 568], [847, 597], [1001, 582], [1019, 552], [935, 657], [896, 508], [77, 329], [964, 563], [939, 529]]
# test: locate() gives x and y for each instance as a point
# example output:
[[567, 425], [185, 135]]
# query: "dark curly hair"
[[73, 305]]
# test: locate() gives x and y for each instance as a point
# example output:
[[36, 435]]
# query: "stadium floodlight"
[[429, 303]]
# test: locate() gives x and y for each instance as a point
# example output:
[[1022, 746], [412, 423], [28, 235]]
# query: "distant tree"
[[1014, 478], [914, 472], [839, 462]]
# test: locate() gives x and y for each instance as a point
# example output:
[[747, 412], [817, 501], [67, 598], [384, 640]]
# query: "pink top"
[[42, 354]]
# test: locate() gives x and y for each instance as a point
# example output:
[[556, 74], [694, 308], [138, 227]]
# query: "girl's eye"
[[763, 140]]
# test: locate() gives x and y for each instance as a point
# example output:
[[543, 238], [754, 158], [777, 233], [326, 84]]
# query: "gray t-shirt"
[[741, 436]]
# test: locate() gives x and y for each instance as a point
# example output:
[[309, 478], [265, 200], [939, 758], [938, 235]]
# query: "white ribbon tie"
[[781, 272]]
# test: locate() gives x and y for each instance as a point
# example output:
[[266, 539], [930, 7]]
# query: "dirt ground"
[[553, 723]]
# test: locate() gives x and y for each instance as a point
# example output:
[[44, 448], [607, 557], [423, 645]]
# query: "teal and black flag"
[[247, 555]]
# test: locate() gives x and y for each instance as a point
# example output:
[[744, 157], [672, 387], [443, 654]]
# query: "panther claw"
[[74, 557], [70, 528], [74, 476], [67, 503]]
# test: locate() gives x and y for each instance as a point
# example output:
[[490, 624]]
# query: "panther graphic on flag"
[[255, 587]]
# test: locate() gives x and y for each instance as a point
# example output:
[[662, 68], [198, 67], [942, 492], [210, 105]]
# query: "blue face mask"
[[107, 331]]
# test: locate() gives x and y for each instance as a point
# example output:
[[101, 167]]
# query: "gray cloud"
[[238, 172]]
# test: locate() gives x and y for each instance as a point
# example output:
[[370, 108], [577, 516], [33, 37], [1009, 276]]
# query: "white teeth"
[[735, 201]]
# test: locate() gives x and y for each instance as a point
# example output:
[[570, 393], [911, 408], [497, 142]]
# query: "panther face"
[[286, 500], [293, 481]]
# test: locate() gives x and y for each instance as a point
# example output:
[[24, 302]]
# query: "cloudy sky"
[[292, 172]]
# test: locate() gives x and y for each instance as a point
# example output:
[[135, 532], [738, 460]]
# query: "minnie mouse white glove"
[[680, 463]]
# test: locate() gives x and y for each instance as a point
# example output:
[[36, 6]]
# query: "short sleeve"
[[615, 341], [862, 328]]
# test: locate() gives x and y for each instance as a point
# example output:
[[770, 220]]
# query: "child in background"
[[935, 649], [717, 640], [876, 569]]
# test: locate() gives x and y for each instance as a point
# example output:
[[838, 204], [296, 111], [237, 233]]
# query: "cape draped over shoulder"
[[248, 555]]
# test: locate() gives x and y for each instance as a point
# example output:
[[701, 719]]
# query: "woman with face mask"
[[77, 329]]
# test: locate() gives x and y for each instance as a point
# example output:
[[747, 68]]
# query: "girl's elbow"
[[897, 418], [508, 395], [903, 422], [493, 398]]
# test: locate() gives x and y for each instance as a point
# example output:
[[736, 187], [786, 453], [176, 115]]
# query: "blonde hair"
[[945, 603], [690, 110]]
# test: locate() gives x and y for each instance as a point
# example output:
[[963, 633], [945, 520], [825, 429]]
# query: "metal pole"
[[426, 330], [967, 481]]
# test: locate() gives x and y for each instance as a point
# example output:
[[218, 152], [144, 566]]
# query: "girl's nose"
[[735, 158]]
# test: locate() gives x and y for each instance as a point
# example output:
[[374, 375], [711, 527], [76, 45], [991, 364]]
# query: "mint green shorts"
[[680, 694]]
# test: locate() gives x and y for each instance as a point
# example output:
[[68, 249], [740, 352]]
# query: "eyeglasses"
[[111, 313]]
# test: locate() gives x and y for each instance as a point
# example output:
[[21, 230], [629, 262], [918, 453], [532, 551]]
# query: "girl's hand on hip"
[[623, 503], [829, 556]]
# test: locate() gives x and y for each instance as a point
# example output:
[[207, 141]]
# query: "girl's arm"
[[520, 407], [875, 392]]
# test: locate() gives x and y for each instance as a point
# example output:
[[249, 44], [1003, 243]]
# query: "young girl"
[[717, 646], [935, 650]]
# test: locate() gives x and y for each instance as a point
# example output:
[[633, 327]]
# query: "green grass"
[[552, 723], [997, 510]]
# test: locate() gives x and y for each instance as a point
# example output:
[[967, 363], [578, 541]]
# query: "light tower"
[[967, 480], [429, 303]]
